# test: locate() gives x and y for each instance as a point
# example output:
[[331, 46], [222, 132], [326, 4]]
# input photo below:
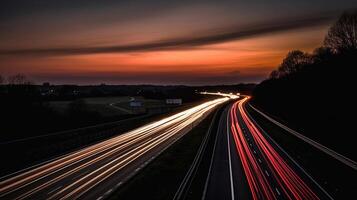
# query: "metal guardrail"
[[186, 182], [343, 159]]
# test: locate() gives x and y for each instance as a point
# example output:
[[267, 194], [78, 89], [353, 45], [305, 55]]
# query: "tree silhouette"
[[342, 36], [292, 63], [274, 74], [322, 54], [18, 79], [303, 91]]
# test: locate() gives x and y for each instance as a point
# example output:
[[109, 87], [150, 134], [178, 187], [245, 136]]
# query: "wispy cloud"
[[223, 35]]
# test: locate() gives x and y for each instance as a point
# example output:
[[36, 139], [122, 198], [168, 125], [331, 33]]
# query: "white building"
[[174, 101], [135, 103]]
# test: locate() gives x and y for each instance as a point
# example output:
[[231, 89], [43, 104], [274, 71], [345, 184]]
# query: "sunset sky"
[[158, 41]]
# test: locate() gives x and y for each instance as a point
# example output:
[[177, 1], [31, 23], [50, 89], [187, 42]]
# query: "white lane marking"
[[57, 188], [230, 161], [347, 161], [276, 144], [108, 192], [266, 172], [100, 198], [212, 157], [259, 160], [277, 191], [119, 184], [254, 152]]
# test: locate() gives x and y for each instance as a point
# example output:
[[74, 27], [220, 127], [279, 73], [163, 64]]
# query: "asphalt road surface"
[[248, 164], [95, 171]]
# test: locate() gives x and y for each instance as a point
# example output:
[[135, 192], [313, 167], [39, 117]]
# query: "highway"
[[225, 179], [341, 158], [96, 171], [248, 164]]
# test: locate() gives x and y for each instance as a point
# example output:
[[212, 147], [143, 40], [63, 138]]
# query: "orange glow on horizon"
[[255, 56]]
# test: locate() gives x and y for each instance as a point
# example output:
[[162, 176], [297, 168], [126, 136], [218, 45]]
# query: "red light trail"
[[290, 185]]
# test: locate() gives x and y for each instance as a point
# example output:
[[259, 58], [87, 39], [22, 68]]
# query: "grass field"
[[111, 106], [95, 104]]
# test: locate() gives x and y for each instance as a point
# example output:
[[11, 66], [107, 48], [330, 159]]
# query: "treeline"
[[26, 107], [315, 92], [24, 113]]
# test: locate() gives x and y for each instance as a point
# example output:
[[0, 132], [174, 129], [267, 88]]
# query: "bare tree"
[[292, 63], [342, 36], [18, 79]]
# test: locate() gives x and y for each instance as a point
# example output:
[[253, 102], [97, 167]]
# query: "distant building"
[[174, 101], [46, 89], [135, 103]]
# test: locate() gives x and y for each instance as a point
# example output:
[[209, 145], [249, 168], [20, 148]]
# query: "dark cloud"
[[228, 34]]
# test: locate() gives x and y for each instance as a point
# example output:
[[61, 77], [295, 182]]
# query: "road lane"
[[225, 179], [270, 173], [88, 172], [218, 183], [343, 159], [248, 164]]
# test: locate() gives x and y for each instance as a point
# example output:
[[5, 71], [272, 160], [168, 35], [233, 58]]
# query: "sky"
[[202, 42]]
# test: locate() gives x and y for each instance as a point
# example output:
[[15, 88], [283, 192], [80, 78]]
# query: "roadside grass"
[[95, 104], [162, 177], [336, 178], [101, 105]]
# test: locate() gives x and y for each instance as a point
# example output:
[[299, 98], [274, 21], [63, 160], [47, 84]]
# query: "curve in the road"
[[262, 164], [77, 174], [347, 161]]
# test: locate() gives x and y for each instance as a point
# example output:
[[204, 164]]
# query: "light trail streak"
[[80, 171], [347, 161], [230, 95], [290, 184]]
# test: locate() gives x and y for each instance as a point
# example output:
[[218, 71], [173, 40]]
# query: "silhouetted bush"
[[293, 63]]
